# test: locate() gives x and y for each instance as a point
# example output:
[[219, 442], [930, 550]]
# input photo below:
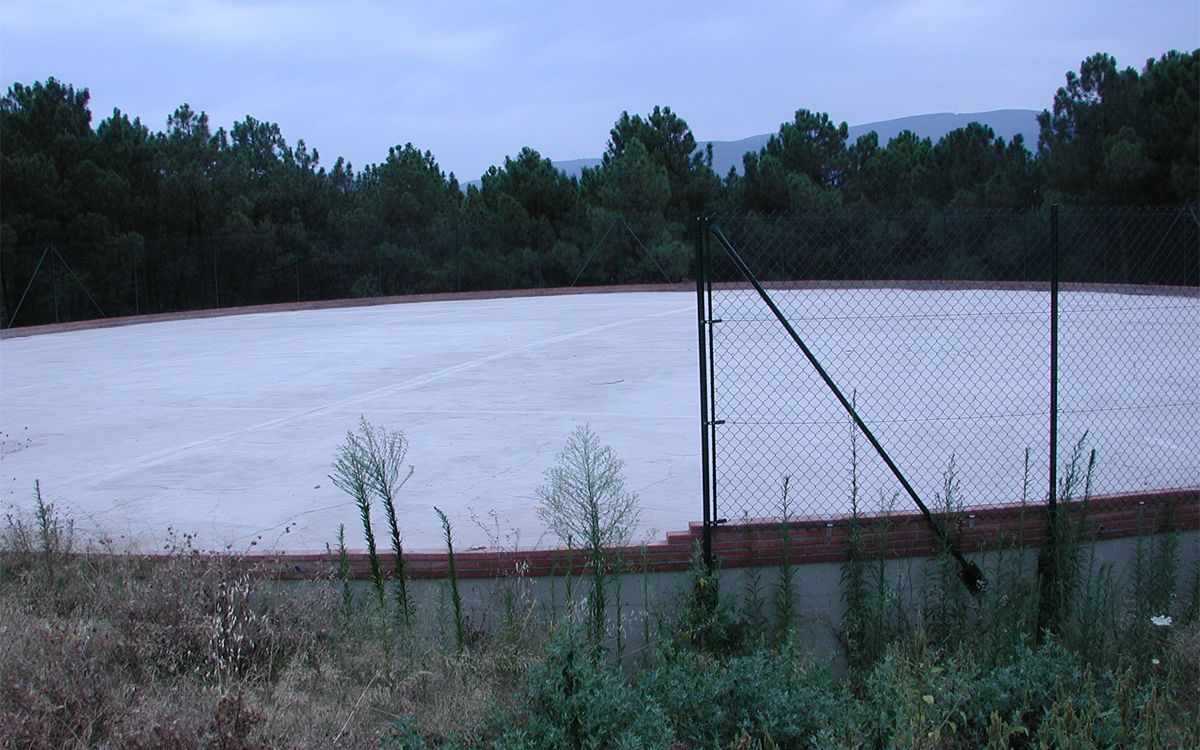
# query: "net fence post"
[[1048, 563], [702, 315], [216, 284], [54, 281]]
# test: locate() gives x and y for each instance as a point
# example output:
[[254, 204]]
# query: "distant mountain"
[[1005, 122]]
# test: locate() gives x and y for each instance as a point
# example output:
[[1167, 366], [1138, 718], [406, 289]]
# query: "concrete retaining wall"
[[808, 541], [496, 584]]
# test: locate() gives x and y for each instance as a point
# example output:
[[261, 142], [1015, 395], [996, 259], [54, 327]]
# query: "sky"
[[475, 81]]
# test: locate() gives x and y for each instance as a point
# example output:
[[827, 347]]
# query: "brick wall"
[[762, 543]]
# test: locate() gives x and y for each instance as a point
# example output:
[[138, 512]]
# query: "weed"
[[945, 608], [784, 595], [1059, 561], [618, 575], [459, 633], [645, 597], [351, 475], [370, 463], [753, 606], [190, 648], [576, 699], [585, 498], [48, 538], [343, 569]]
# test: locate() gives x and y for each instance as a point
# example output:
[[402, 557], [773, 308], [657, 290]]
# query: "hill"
[[1005, 122]]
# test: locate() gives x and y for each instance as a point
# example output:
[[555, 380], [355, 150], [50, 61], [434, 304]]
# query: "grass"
[[192, 650]]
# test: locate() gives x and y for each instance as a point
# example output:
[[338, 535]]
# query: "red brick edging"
[[762, 543]]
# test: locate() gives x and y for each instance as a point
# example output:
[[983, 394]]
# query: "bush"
[[710, 702], [576, 699]]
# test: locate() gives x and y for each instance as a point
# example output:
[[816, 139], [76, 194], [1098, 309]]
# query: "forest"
[[122, 219]]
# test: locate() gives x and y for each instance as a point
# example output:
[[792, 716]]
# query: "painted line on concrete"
[[164, 456]]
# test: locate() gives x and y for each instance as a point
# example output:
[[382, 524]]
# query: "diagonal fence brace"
[[37, 269], [968, 572]]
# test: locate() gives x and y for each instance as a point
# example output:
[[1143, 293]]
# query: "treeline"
[[193, 216]]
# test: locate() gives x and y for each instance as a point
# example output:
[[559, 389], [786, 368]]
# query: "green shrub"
[[1019, 689], [577, 699], [704, 621], [712, 701]]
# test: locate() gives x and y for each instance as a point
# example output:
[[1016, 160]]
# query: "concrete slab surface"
[[225, 427]]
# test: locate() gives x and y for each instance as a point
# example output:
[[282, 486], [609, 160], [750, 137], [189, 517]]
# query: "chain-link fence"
[[78, 281], [65, 281], [936, 327]]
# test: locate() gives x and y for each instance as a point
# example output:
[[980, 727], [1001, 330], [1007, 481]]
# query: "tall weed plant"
[[369, 466], [585, 500]]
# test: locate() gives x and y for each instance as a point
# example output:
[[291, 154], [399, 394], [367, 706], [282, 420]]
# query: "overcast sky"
[[475, 81]]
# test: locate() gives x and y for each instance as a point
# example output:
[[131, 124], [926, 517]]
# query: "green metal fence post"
[[54, 277], [702, 315], [1048, 563]]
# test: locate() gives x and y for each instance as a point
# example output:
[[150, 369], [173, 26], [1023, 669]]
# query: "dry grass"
[[104, 650], [196, 651]]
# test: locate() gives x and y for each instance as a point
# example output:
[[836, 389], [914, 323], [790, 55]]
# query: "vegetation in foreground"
[[191, 650]]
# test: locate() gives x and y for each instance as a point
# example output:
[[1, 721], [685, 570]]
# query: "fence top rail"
[[964, 212], [1168, 290]]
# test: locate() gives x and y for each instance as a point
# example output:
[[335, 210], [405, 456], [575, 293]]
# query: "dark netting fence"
[[66, 281], [937, 329]]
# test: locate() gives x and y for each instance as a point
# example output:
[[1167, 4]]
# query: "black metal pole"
[[701, 318]]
